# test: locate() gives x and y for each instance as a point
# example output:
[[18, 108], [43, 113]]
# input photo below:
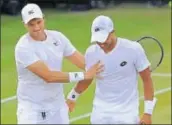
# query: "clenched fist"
[[71, 104], [146, 119]]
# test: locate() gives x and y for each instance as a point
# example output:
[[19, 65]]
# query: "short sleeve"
[[25, 56], [141, 61], [69, 49], [90, 58]]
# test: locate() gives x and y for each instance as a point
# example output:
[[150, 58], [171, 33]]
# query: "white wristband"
[[149, 106], [76, 76], [73, 95]]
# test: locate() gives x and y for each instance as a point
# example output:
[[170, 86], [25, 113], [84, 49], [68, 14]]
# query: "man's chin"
[[38, 33]]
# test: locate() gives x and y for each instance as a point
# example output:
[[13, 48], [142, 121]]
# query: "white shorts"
[[25, 116], [99, 117]]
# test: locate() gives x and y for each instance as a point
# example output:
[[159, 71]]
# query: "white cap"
[[101, 27], [31, 11]]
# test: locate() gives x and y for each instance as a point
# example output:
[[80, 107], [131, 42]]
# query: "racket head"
[[153, 50]]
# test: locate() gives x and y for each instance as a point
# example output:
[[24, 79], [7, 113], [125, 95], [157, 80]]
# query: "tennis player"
[[39, 55], [116, 98]]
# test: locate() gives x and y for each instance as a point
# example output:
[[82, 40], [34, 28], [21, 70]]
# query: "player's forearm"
[[55, 76], [82, 86], [149, 100], [77, 59], [148, 90], [147, 84]]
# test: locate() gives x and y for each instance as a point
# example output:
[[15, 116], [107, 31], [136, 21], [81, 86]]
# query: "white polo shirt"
[[117, 91], [33, 92]]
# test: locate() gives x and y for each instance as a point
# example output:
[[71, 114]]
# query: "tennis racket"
[[153, 50]]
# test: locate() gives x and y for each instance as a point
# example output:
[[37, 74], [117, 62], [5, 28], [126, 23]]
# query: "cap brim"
[[100, 36], [33, 17]]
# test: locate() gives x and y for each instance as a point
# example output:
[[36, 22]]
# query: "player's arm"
[[77, 59], [40, 69], [70, 52], [147, 84], [80, 88], [149, 99], [148, 91], [142, 65], [74, 94], [28, 59], [90, 59]]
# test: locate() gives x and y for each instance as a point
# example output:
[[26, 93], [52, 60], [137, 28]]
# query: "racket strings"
[[153, 52]]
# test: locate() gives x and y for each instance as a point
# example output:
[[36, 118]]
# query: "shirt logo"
[[30, 12], [43, 115], [123, 63], [56, 43]]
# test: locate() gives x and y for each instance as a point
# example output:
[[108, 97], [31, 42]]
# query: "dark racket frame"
[[144, 38]]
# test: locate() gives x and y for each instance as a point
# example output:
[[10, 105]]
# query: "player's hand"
[[95, 70], [146, 119], [71, 104]]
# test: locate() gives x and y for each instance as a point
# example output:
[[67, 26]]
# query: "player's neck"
[[41, 37]]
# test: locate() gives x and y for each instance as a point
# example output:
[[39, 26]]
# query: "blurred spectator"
[[97, 3], [13, 7], [10, 6], [158, 3]]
